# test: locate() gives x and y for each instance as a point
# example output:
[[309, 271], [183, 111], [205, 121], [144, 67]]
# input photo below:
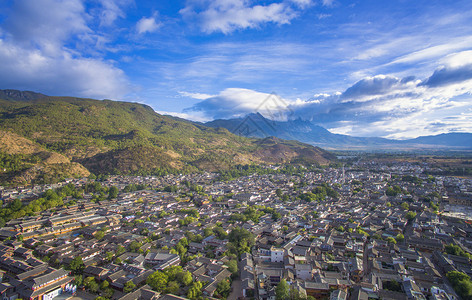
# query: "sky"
[[397, 69]]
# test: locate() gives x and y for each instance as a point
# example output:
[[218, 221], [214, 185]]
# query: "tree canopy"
[[461, 283], [282, 291]]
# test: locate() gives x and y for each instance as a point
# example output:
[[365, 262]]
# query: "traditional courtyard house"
[[45, 286], [160, 261]]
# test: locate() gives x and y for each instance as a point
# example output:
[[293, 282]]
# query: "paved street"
[[237, 291]]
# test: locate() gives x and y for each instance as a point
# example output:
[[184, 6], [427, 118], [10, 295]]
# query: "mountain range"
[[256, 125], [44, 139]]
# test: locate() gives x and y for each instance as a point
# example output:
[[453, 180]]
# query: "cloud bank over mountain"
[[375, 106]]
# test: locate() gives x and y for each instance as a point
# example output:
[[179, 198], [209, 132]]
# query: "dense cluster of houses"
[[360, 244]]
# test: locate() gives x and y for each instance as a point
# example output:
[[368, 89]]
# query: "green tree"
[[78, 280], [173, 272], [129, 287], [108, 292], [77, 265], [233, 267], [207, 232], [172, 287], [456, 250], [91, 284], [181, 250], [195, 290], [16, 205], [93, 287], [99, 235], [240, 240], [391, 240], [134, 246], [109, 255], [405, 206], [87, 281], [185, 278], [120, 250], [105, 284], [112, 192], [461, 283], [282, 291], [456, 276], [276, 216], [400, 238], [278, 192], [410, 215], [220, 232], [393, 191], [158, 281], [464, 289], [223, 288]]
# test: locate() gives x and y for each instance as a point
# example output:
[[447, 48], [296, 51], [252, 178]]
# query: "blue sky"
[[394, 69]]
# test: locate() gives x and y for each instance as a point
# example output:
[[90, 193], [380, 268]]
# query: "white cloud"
[[112, 10], [437, 51], [392, 47], [199, 96], [458, 59], [34, 55], [237, 102], [229, 15], [457, 69], [196, 117], [59, 75], [382, 105], [323, 16], [244, 63], [396, 108], [328, 2], [147, 25], [46, 23], [303, 3], [382, 47]]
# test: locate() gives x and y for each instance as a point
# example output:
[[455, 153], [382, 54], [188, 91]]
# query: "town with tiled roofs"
[[369, 231]]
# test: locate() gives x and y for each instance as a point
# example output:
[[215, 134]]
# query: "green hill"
[[111, 137]]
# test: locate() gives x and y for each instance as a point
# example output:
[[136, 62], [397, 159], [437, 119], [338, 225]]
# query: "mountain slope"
[[255, 125], [22, 161], [130, 138]]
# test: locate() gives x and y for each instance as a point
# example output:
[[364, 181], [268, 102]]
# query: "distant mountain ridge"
[[58, 137], [446, 139], [256, 125], [15, 95]]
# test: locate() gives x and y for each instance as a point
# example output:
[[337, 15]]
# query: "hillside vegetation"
[[56, 137]]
